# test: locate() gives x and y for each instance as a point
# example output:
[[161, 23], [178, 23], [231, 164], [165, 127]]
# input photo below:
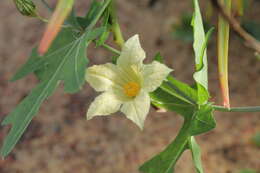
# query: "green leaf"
[[203, 120], [163, 99], [94, 10], [72, 20], [184, 90], [196, 123], [201, 74], [185, 100], [34, 63], [65, 61], [196, 154], [176, 92], [175, 96], [166, 160], [66, 64]]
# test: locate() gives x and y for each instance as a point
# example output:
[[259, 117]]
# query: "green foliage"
[[65, 61], [67, 64], [85, 21], [201, 74], [168, 97], [203, 120], [191, 103], [167, 159], [94, 10]]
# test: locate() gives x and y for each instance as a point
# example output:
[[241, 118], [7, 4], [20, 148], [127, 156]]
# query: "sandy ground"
[[60, 140]]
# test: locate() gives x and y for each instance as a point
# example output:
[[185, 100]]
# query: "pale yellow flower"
[[126, 85]]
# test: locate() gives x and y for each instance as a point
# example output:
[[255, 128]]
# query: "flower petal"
[[137, 109], [104, 104], [153, 75], [103, 77], [132, 53]]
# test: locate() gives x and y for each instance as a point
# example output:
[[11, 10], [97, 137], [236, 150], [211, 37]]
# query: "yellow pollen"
[[131, 89]]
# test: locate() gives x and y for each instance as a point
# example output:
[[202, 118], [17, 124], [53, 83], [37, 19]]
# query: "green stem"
[[223, 48], [237, 109], [94, 21], [111, 49], [118, 36], [42, 19]]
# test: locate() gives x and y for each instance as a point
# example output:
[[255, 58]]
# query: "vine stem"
[[111, 49], [237, 109]]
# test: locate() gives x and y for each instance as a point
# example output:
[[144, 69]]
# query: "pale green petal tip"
[[134, 40], [101, 77], [138, 109], [154, 74], [132, 53], [104, 104]]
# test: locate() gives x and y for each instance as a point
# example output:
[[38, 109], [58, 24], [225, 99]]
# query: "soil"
[[60, 140]]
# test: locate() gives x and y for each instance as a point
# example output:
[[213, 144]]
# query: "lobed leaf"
[[65, 61], [66, 64]]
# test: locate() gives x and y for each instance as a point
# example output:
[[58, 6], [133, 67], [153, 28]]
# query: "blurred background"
[[60, 140]]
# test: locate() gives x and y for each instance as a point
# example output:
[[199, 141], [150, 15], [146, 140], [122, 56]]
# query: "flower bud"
[[26, 7]]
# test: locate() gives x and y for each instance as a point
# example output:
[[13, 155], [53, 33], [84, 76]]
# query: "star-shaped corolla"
[[127, 84]]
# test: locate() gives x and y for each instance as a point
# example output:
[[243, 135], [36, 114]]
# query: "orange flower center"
[[131, 89]]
